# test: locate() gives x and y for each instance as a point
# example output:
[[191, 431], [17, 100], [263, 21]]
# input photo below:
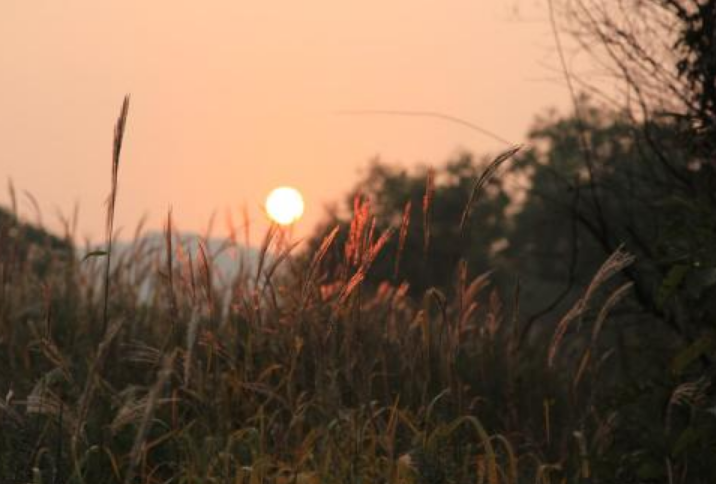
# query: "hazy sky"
[[233, 98]]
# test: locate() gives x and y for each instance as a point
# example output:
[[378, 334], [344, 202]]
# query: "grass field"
[[149, 366], [288, 372]]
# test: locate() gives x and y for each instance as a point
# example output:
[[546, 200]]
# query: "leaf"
[[692, 352], [94, 253], [649, 470], [670, 284], [687, 439]]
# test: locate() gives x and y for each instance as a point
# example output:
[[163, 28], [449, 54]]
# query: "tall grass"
[[294, 373]]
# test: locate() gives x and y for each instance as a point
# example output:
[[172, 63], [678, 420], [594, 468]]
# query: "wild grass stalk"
[[112, 201], [427, 208], [403, 234], [489, 172], [616, 262]]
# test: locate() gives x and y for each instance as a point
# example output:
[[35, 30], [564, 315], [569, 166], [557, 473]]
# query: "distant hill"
[[26, 246], [227, 259]]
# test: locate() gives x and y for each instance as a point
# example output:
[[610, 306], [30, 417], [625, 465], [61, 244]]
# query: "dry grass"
[[292, 373]]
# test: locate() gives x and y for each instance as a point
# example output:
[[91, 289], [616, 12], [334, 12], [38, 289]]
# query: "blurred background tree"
[[633, 166]]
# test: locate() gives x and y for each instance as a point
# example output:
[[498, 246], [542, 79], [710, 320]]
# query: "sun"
[[284, 205]]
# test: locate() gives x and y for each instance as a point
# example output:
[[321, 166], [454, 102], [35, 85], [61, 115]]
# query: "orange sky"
[[232, 98]]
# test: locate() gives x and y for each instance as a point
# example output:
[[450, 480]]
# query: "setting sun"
[[284, 205]]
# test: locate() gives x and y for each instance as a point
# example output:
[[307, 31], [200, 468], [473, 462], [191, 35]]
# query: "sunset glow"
[[213, 86], [284, 205]]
